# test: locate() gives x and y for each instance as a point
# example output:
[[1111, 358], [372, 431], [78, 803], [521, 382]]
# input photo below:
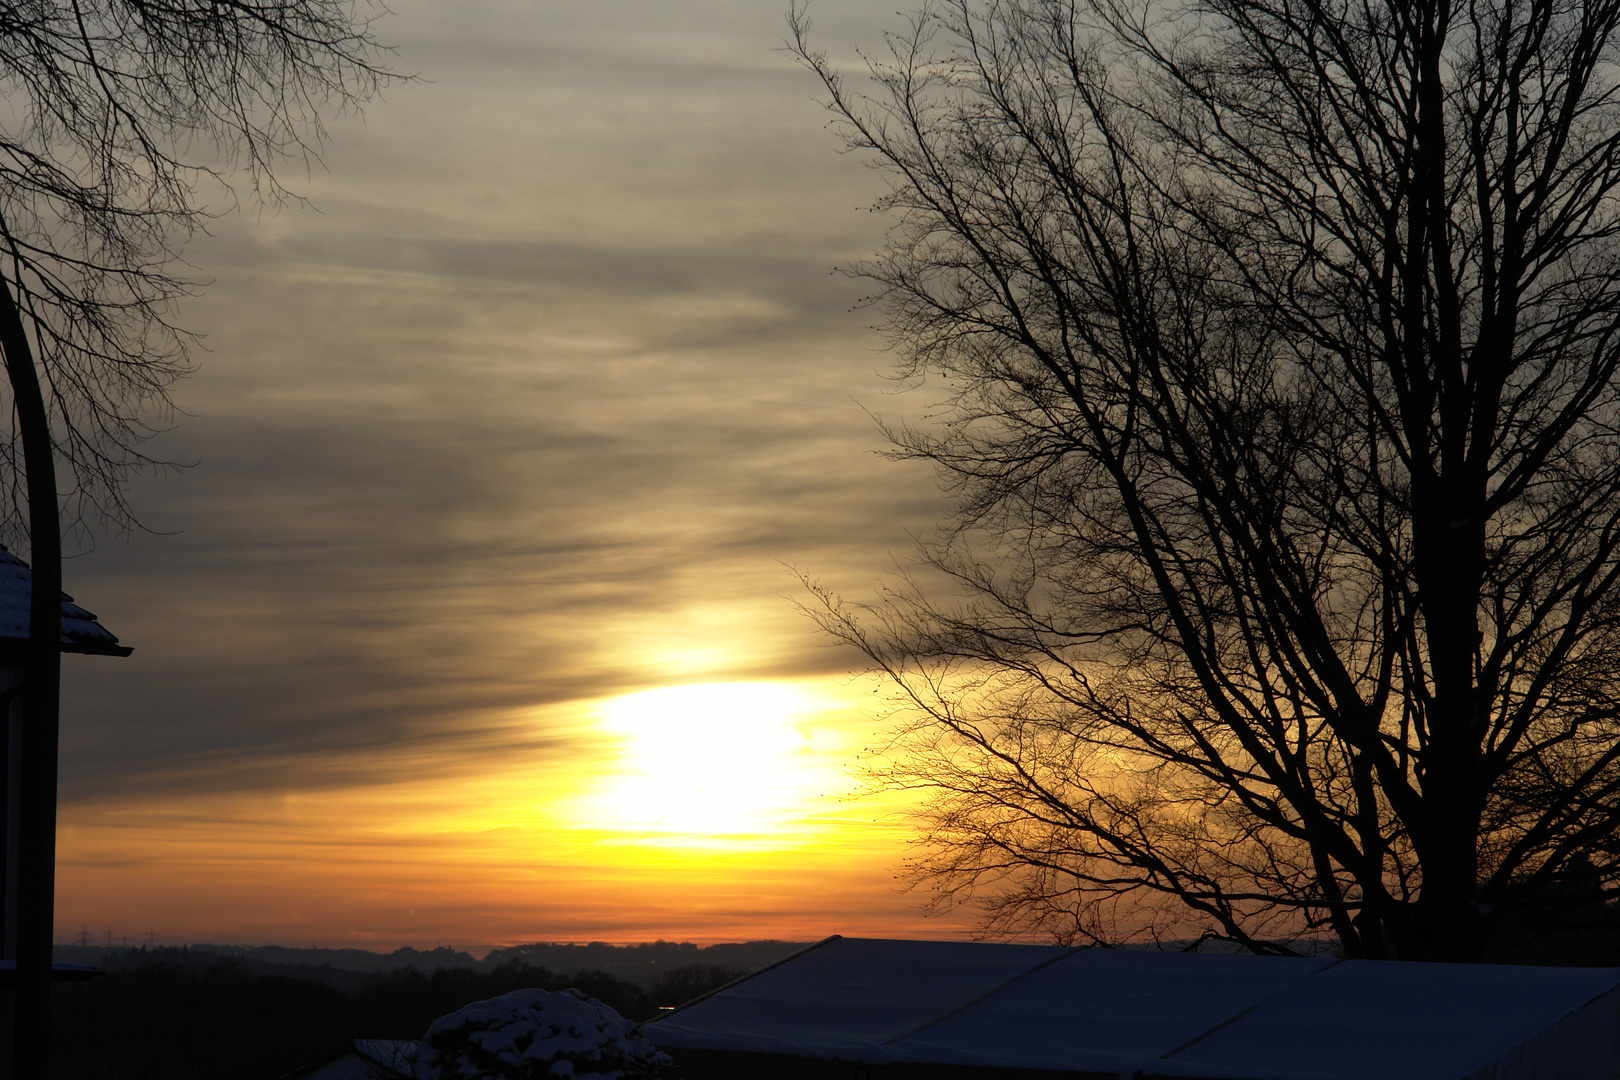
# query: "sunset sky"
[[473, 620]]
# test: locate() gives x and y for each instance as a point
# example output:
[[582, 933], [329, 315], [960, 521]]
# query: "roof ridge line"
[[1069, 951], [1196, 1039]]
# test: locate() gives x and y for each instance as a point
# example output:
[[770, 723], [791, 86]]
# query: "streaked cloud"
[[535, 411]]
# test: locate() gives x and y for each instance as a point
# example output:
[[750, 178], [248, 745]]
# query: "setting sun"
[[716, 759]]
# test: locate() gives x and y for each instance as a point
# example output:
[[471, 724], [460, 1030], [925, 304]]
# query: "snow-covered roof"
[[81, 633], [1218, 1017]]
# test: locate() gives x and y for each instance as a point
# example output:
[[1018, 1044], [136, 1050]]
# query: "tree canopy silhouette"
[[121, 118], [1278, 346]]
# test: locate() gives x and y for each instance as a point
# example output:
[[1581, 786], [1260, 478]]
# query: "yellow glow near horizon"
[[711, 812], [712, 760]]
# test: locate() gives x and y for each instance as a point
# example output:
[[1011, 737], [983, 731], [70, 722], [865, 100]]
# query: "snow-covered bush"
[[537, 1035]]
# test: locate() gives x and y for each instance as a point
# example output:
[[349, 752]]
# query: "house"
[[81, 633], [869, 1009]]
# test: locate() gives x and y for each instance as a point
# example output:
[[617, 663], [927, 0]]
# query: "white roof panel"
[[1218, 1017], [856, 992], [1398, 1020], [1102, 1003]]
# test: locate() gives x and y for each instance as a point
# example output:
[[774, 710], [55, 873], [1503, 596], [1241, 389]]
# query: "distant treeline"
[[645, 963], [187, 1014], [641, 964]]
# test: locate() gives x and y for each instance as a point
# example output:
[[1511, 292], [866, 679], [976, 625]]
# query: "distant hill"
[[639, 964], [643, 964]]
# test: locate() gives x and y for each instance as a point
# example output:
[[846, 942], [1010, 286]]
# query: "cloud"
[[439, 478], [531, 412]]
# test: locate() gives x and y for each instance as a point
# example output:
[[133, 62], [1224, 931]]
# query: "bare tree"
[[120, 118], [1279, 346]]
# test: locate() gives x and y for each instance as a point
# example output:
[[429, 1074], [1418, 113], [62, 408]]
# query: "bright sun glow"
[[716, 759]]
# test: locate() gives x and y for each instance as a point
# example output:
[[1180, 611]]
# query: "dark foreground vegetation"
[[168, 1017]]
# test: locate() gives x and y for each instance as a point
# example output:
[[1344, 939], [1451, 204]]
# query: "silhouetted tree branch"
[[1280, 349]]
